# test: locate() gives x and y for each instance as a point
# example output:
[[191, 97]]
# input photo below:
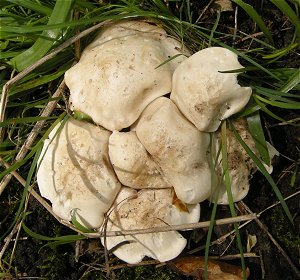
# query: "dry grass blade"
[[191, 226]]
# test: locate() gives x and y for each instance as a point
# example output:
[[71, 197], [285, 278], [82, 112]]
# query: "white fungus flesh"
[[75, 172], [121, 72], [240, 165], [204, 94], [147, 209], [132, 163], [178, 147], [173, 48]]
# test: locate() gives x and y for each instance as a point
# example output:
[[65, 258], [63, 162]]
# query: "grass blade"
[[214, 196], [256, 130], [285, 105], [292, 82], [22, 202], [256, 18], [263, 170], [287, 10], [278, 94], [267, 111], [66, 238], [59, 14], [24, 120], [34, 6], [18, 164], [229, 193], [77, 224], [77, 115], [279, 53], [214, 28]]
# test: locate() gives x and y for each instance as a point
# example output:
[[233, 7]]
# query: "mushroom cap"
[[132, 163], [148, 30], [125, 28], [148, 209], [75, 172], [204, 94], [178, 147], [118, 74], [240, 165]]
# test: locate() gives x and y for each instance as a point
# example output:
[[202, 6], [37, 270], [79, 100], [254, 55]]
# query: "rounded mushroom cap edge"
[[75, 172], [204, 94], [148, 209]]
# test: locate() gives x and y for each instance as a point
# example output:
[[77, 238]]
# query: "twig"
[[221, 239], [235, 25], [191, 226], [8, 239], [265, 229], [250, 36], [284, 123], [227, 247], [262, 266], [278, 202], [203, 11], [4, 182], [234, 257], [34, 132]]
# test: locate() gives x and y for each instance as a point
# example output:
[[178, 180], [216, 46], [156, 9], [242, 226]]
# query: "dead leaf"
[[217, 270]]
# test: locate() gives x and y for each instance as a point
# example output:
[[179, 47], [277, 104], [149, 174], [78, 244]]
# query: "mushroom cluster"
[[145, 150]]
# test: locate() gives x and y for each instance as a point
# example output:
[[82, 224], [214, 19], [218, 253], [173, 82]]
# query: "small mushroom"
[[75, 172], [143, 210], [119, 74], [178, 147], [204, 94], [240, 165], [132, 163]]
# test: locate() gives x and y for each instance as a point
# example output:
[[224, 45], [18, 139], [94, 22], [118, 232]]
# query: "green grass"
[[30, 29]]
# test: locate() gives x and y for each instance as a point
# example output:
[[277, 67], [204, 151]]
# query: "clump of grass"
[[31, 29]]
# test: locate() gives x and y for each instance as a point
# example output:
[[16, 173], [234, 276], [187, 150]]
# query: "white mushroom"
[[118, 75], [173, 48], [203, 93], [75, 172], [125, 28], [240, 165], [178, 147], [148, 209], [132, 163]]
